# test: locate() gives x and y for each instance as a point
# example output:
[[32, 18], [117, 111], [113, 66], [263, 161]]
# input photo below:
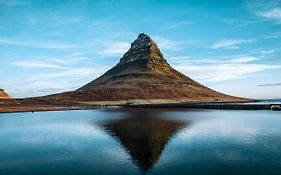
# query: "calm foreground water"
[[141, 141]]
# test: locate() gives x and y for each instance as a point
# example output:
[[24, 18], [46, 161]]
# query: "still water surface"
[[141, 142]]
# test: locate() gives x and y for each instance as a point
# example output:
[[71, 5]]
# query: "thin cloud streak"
[[52, 62], [46, 45], [177, 25], [223, 72], [63, 75], [55, 82], [243, 59], [273, 35], [266, 9], [273, 14], [167, 44], [72, 72], [270, 84], [36, 64], [230, 43], [236, 59], [114, 49]]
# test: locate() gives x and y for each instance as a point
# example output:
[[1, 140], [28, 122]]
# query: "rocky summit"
[[3, 94], [142, 48], [144, 73]]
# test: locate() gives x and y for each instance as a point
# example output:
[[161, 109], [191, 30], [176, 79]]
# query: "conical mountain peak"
[[143, 73], [142, 48]]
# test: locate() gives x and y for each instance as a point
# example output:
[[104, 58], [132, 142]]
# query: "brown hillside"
[[4, 95], [143, 73]]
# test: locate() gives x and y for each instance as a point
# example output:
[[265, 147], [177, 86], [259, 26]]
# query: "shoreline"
[[42, 109], [222, 106], [188, 105]]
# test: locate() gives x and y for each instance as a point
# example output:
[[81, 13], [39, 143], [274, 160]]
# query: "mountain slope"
[[143, 73], [4, 95]]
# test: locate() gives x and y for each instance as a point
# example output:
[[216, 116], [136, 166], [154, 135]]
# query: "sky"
[[232, 46]]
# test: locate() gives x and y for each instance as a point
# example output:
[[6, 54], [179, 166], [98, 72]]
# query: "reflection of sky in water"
[[72, 142], [226, 141]]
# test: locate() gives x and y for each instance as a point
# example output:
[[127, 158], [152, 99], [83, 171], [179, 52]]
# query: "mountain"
[[144, 73], [273, 99], [4, 95]]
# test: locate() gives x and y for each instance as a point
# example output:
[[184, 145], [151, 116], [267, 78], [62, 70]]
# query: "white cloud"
[[167, 44], [63, 77], [36, 64], [178, 24], [222, 69], [273, 35], [36, 44], [236, 22], [58, 81], [50, 62], [71, 59], [264, 52], [270, 84], [230, 43], [56, 46], [114, 49], [219, 60], [244, 59], [272, 14], [223, 72], [267, 9], [72, 73]]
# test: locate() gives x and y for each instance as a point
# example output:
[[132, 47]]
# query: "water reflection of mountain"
[[143, 135]]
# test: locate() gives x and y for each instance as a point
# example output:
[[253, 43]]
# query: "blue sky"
[[233, 46]]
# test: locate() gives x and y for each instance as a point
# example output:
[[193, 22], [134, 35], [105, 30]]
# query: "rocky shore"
[[32, 105]]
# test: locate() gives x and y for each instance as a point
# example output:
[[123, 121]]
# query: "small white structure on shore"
[[275, 107]]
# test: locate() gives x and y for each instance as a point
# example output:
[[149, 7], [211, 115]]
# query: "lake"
[[139, 141]]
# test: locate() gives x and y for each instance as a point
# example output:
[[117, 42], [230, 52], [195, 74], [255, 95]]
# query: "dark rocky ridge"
[[4, 95], [141, 48], [143, 73]]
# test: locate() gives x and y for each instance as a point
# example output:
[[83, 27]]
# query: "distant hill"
[[144, 73], [4, 95], [274, 99]]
